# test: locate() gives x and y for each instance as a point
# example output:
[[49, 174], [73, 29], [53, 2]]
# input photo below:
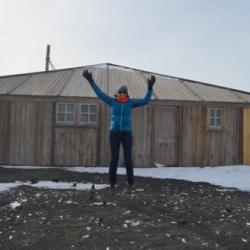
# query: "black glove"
[[87, 75], [151, 82]]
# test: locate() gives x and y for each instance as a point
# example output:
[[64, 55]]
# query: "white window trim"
[[57, 112], [215, 117], [88, 113]]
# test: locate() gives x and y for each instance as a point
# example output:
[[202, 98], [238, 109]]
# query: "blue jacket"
[[121, 112]]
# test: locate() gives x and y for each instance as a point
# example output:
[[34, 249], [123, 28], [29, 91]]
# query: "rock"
[[34, 180]]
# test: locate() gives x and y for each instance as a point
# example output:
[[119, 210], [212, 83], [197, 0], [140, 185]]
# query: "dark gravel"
[[159, 214]]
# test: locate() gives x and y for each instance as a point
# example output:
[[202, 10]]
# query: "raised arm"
[[102, 95], [141, 102], [146, 99]]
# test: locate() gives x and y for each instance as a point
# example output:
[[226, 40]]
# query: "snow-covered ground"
[[52, 185], [226, 176]]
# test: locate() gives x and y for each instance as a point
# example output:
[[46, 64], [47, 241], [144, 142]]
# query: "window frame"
[[88, 113], [215, 117], [65, 122]]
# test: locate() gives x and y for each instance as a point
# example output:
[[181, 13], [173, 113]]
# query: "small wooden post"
[[246, 136], [47, 58]]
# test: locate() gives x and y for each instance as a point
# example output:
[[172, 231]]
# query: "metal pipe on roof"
[[47, 60]]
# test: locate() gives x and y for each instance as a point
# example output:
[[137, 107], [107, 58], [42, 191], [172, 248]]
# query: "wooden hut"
[[55, 118]]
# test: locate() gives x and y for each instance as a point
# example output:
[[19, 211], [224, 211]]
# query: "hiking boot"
[[112, 189], [129, 188]]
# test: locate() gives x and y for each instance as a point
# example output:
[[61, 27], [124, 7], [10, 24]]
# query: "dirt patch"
[[160, 214]]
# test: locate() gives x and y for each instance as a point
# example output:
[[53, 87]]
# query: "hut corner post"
[[246, 136]]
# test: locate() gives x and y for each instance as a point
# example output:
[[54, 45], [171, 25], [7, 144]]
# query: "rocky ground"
[[160, 214]]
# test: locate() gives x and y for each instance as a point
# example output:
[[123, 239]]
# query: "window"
[[65, 113], [215, 117], [88, 113], [76, 114]]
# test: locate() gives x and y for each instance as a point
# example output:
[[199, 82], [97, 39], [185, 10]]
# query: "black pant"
[[116, 139]]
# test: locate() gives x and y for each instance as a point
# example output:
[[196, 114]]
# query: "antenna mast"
[[47, 60]]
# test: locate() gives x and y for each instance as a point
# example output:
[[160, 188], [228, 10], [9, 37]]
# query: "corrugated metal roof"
[[173, 89], [211, 93], [69, 82], [8, 84], [78, 86], [48, 84], [136, 82]]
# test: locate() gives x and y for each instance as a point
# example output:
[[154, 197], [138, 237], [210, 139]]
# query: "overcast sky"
[[204, 40]]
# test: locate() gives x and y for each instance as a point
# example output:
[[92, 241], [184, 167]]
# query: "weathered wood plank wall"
[[170, 135], [75, 146], [246, 137], [4, 132], [202, 146], [30, 128], [44, 132], [142, 136], [165, 140], [103, 139], [192, 130]]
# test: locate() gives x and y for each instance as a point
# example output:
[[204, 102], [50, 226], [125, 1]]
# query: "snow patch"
[[28, 167], [67, 185], [85, 236], [132, 223], [227, 176], [52, 185], [184, 240], [15, 204], [7, 186], [121, 68]]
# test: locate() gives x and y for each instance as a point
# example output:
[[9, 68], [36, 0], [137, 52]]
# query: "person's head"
[[122, 91]]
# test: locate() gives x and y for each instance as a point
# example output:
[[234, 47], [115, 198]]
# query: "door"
[[165, 136]]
